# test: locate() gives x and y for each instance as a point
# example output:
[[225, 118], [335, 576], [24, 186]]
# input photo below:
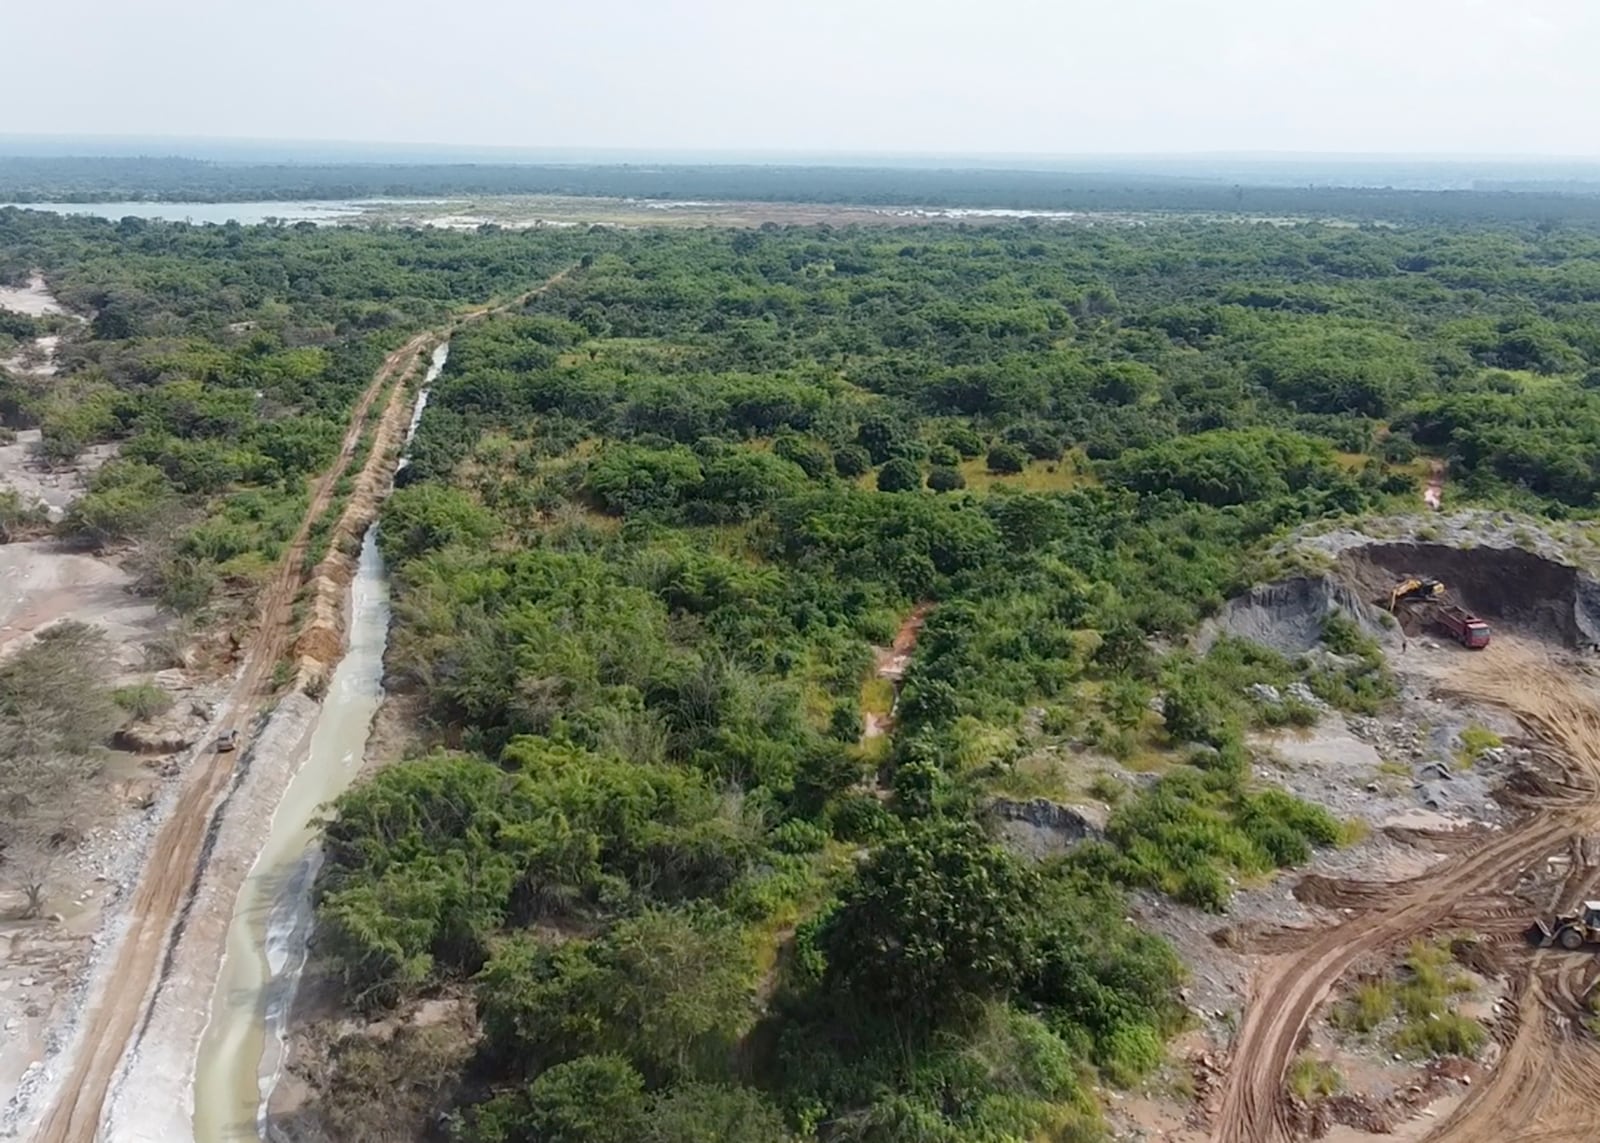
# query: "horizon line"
[[687, 154]]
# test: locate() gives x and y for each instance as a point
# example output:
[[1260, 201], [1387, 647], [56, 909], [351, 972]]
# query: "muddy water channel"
[[241, 1054]]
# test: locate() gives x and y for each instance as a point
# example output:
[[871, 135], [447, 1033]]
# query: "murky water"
[[241, 1054], [244, 213]]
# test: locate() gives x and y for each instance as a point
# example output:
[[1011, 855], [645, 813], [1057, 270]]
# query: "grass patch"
[[1311, 1078], [1364, 686], [877, 696], [1039, 476], [1107, 788], [1393, 777], [1476, 741], [1193, 828], [1367, 1007], [1423, 999], [1353, 831], [1447, 1034], [142, 700]]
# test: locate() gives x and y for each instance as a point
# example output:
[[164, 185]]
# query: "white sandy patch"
[[34, 299]]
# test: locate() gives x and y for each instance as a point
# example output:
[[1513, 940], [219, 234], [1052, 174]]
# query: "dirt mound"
[[320, 641], [1516, 589], [1288, 616]]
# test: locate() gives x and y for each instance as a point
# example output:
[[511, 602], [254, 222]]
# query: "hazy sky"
[[977, 76]]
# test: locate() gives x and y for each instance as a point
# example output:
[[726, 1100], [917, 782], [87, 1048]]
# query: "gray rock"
[[1038, 827], [1264, 693], [1434, 795], [1301, 693]]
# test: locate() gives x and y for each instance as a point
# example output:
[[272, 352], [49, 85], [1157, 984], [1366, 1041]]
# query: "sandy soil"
[[532, 211], [124, 982], [153, 1100], [1541, 1088], [35, 482], [36, 358], [34, 299], [41, 583], [152, 985]]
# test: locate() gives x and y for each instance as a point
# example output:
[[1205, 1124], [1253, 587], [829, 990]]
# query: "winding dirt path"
[[112, 1025], [1548, 1083]]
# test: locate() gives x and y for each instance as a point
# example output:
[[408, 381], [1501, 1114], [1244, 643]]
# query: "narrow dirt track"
[[111, 1026], [1546, 1076], [175, 855]]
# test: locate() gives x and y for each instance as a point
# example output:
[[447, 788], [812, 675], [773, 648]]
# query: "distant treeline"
[[175, 179]]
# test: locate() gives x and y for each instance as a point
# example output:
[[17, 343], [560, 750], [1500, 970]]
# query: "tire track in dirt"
[[1543, 695], [176, 857]]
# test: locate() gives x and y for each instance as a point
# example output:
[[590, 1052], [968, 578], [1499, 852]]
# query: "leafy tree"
[[591, 1099], [425, 517], [628, 478], [851, 461], [1007, 458], [964, 440], [946, 479], [708, 1113], [899, 475], [670, 990], [932, 919]]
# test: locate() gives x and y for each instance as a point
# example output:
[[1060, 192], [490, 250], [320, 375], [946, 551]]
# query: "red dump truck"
[[1464, 627]]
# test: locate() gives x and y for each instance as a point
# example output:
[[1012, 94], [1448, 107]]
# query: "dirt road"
[[1542, 1086], [175, 856]]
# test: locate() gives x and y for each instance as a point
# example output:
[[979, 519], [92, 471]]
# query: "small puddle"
[[242, 1051]]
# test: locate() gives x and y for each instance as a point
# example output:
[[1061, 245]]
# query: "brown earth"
[[177, 851], [176, 857], [320, 642], [1549, 1080], [890, 663]]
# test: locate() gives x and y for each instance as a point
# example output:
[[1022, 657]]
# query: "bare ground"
[[1547, 1074], [87, 1062], [34, 299], [54, 486], [125, 979]]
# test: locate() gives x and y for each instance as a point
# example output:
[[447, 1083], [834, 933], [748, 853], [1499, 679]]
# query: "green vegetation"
[[655, 522], [1535, 194], [56, 711], [224, 360], [1423, 1001], [1475, 741], [1311, 1078], [652, 527], [142, 700]]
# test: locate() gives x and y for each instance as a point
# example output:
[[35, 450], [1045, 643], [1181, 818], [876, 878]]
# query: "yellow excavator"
[[1420, 589]]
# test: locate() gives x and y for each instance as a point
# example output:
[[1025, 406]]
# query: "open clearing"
[[1548, 1081], [34, 299]]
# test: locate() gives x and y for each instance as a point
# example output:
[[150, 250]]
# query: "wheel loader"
[[1570, 930]]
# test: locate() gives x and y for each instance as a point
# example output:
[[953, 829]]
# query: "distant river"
[[245, 213]]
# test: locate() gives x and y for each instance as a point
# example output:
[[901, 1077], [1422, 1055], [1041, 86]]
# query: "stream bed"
[[242, 1052]]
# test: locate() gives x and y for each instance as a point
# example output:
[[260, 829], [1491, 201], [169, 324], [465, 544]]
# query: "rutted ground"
[[1487, 881], [124, 978]]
